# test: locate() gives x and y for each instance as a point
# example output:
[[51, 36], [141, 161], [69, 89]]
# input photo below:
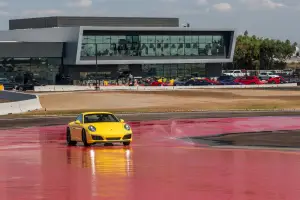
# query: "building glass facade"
[[145, 46], [42, 70]]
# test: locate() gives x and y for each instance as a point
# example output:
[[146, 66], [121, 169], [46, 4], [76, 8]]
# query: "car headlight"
[[127, 127], [92, 128]]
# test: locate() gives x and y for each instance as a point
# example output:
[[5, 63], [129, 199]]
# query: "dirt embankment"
[[205, 99]]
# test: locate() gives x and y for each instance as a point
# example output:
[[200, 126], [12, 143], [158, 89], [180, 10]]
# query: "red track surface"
[[36, 164]]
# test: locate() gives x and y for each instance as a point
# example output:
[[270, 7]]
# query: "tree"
[[252, 52]]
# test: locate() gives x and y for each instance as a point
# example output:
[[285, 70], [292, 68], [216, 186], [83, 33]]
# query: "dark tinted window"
[[95, 118]]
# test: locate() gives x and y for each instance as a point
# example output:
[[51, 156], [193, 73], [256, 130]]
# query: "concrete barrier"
[[20, 103], [60, 88]]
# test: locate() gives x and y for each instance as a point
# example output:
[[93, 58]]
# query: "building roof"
[[69, 21]]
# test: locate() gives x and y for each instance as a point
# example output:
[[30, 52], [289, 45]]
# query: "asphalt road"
[[6, 123]]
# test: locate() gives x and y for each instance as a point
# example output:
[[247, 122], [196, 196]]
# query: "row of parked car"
[[9, 85], [230, 80]]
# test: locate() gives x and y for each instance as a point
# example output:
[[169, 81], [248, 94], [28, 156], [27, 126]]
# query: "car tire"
[[68, 138], [84, 140], [126, 143], [21, 89]]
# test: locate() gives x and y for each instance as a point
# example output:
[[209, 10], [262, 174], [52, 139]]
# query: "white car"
[[267, 75], [235, 73]]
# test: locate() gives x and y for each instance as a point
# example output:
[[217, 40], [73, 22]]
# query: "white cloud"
[[38, 13], [80, 3], [222, 7], [258, 4]]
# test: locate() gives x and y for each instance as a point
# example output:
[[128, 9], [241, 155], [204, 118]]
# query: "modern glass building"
[[102, 47]]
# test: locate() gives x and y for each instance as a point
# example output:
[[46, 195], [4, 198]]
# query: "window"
[[79, 118], [152, 46], [98, 118]]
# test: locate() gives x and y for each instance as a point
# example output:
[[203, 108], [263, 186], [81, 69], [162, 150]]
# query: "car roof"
[[91, 113]]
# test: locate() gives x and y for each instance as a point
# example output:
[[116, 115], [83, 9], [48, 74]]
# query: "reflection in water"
[[104, 161], [110, 169]]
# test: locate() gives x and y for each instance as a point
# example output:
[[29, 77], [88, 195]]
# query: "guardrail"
[[20, 103], [61, 88]]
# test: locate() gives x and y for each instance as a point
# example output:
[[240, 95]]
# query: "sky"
[[276, 19]]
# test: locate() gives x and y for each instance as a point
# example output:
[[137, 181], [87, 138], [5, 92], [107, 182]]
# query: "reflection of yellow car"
[[98, 127]]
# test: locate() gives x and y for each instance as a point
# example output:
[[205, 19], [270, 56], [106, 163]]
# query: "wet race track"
[[37, 164]]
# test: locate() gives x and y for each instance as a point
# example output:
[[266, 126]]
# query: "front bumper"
[[110, 139]]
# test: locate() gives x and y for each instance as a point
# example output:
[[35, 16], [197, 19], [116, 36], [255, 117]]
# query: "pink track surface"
[[35, 163]]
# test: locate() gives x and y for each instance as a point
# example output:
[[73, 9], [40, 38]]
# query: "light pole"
[[96, 48]]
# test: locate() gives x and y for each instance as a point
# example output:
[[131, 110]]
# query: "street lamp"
[[96, 48]]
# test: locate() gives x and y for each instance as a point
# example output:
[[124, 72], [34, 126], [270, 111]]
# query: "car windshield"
[[100, 117]]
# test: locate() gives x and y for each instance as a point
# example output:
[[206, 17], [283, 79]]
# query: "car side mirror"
[[122, 120], [77, 122]]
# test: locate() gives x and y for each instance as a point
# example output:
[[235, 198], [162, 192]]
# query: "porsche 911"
[[98, 127]]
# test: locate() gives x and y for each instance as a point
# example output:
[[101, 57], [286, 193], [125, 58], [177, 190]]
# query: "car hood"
[[108, 127]]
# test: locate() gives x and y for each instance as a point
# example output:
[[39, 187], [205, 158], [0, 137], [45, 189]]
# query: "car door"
[[263, 76], [189, 83], [76, 128]]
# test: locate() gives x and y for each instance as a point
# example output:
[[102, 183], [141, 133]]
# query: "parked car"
[[226, 77], [8, 85], [194, 82], [28, 86], [250, 80], [180, 81], [229, 82], [267, 75], [276, 80], [236, 73], [210, 81], [156, 83]]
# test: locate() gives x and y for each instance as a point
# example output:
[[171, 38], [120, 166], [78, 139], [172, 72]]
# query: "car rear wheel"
[[69, 139], [84, 139], [273, 82], [126, 143]]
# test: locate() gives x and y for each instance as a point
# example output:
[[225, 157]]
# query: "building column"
[[213, 69]]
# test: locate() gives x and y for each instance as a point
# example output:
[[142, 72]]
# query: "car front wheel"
[[84, 139], [69, 139]]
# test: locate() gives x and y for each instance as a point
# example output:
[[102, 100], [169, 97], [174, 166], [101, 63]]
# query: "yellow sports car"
[[98, 127]]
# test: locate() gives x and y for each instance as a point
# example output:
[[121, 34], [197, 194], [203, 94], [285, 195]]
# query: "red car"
[[156, 83], [276, 80], [249, 80], [211, 81]]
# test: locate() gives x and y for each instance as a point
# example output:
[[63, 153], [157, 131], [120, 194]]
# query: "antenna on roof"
[[186, 25]]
